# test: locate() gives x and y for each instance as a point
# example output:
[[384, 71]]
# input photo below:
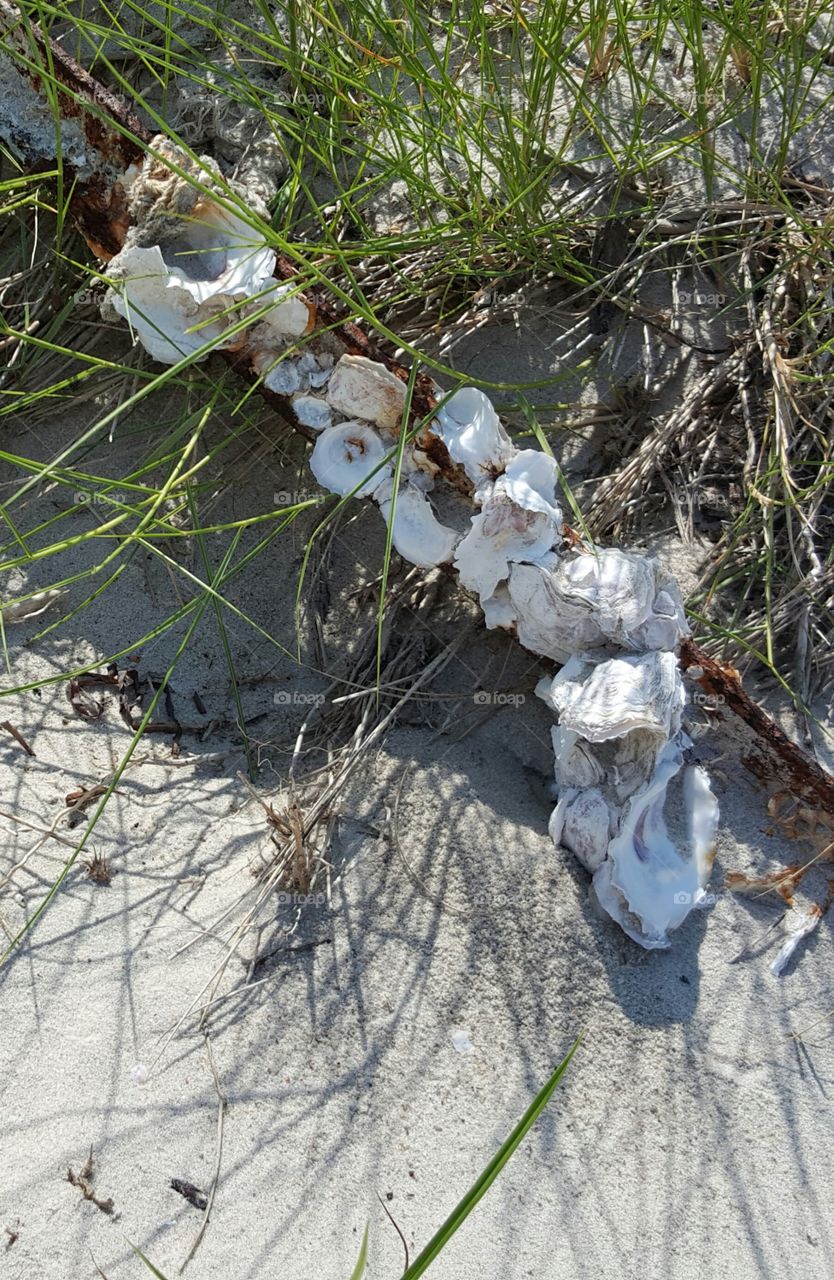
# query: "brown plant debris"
[[99, 869], [189, 1192], [17, 735], [83, 1181]]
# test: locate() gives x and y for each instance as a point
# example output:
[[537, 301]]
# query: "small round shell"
[[346, 459]]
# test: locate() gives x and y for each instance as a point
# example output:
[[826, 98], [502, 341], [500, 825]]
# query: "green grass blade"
[[362, 1261], [479, 1189], [147, 1262]]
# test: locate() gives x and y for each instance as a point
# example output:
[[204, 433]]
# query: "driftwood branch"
[[775, 754]]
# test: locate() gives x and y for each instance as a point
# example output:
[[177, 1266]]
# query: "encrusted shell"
[[591, 600], [604, 700], [362, 388]]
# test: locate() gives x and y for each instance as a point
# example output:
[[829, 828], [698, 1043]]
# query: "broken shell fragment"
[[417, 533], [312, 411], [290, 315], [217, 253], [801, 923], [498, 609], [346, 459], [31, 606], [362, 388], [472, 432], [284, 377], [618, 744]]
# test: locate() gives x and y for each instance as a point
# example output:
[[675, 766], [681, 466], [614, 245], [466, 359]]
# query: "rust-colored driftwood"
[[113, 135], [775, 754], [118, 138]]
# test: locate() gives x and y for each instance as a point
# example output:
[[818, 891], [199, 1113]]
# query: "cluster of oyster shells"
[[193, 279]]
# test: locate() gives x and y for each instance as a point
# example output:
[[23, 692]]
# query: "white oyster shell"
[[362, 388], [346, 459], [589, 601], [501, 534], [604, 700], [530, 481], [417, 534], [167, 291], [472, 432], [645, 884]]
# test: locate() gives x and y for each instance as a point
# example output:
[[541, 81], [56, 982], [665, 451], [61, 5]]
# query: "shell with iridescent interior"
[[179, 295]]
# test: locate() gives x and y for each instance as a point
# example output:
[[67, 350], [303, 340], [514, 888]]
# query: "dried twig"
[[221, 1109], [17, 735]]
